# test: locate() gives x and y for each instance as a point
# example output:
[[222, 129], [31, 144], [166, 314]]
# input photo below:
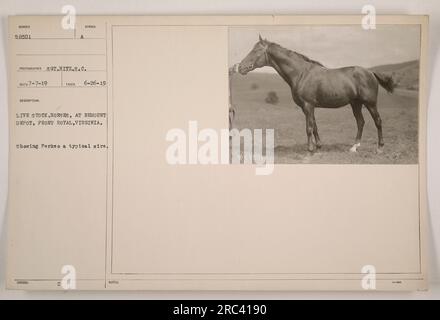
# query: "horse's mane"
[[290, 53]]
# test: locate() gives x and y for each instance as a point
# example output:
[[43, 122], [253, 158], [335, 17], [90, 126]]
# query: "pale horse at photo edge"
[[232, 70]]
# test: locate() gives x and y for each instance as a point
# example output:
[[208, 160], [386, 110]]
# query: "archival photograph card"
[[217, 153]]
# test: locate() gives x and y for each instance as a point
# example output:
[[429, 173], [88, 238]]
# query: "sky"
[[333, 46]]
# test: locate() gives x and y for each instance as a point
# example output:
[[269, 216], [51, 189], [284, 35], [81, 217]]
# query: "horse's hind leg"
[[372, 108], [357, 112]]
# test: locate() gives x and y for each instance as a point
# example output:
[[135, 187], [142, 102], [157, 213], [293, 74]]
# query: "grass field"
[[337, 127]]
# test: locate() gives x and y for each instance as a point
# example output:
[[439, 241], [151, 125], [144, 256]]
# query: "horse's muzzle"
[[244, 69]]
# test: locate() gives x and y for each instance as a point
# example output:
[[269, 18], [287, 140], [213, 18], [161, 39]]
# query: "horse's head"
[[257, 58]]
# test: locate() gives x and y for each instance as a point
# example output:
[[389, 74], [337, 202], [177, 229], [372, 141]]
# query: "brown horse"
[[315, 86]]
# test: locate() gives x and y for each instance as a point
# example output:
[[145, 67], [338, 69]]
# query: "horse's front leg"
[[315, 132], [310, 125]]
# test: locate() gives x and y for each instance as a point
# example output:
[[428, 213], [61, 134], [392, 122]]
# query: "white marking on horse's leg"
[[355, 146]]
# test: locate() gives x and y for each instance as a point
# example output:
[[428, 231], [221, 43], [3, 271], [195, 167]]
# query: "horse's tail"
[[386, 81]]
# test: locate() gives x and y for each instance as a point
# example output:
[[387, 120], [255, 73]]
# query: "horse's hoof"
[[354, 147], [379, 150], [318, 146]]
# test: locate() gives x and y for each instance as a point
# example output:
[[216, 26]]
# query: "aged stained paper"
[[91, 188]]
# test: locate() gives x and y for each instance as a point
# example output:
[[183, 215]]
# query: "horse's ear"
[[260, 38]]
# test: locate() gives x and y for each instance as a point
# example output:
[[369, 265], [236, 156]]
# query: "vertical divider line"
[[107, 160]]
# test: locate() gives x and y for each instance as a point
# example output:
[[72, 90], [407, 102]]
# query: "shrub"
[[272, 97]]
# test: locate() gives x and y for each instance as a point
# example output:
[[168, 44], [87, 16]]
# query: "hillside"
[[406, 74]]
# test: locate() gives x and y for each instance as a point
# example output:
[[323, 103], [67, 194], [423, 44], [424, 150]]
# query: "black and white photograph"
[[219, 152], [332, 94]]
